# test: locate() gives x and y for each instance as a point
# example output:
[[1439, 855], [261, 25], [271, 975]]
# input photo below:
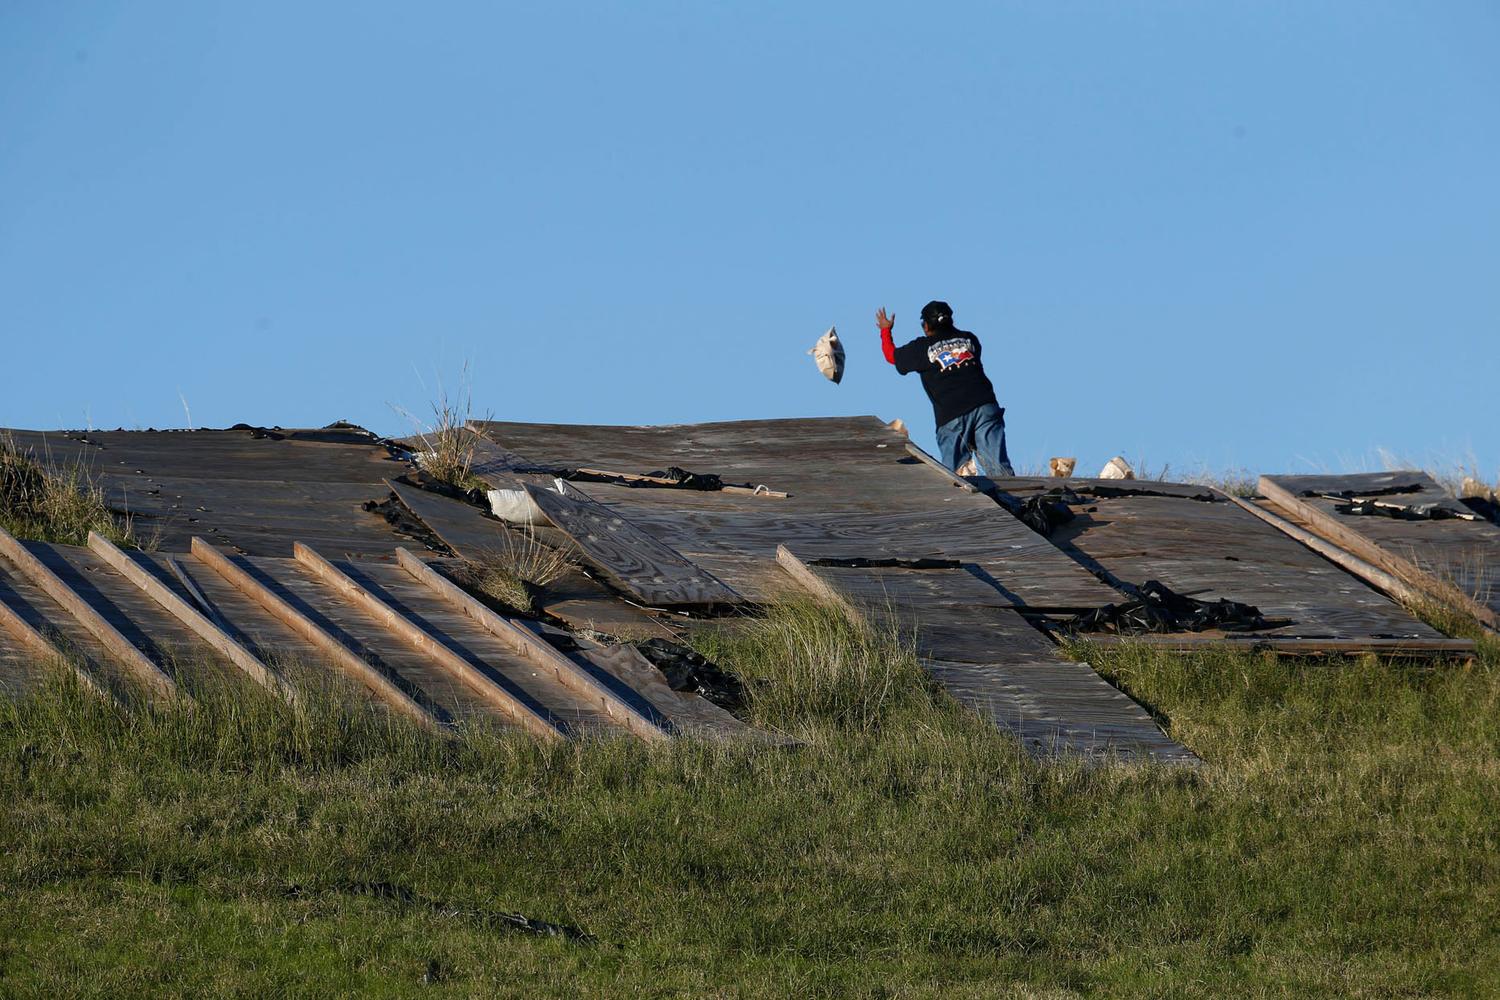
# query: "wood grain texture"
[[1391, 585], [256, 494], [1454, 562], [355, 666], [527, 644], [44, 578], [854, 491], [1218, 549], [524, 711], [191, 617], [635, 561], [38, 649], [1060, 708], [991, 660]]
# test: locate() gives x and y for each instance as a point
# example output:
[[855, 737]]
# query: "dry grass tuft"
[[518, 571], [48, 506], [448, 445]]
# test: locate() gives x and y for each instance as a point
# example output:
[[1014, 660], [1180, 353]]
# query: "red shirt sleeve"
[[888, 345]]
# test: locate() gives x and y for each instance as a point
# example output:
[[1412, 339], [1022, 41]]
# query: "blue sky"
[[1260, 235]]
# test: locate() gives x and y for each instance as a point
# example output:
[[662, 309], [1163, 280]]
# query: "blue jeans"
[[980, 432]]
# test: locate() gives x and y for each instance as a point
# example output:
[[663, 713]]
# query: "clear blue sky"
[[1261, 235]]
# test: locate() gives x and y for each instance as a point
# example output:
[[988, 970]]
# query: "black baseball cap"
[[937, 313]]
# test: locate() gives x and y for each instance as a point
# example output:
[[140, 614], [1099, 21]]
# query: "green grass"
[[1341, 840], [54, 505]]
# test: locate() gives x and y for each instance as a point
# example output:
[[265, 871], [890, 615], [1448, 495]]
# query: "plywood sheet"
[[1454, 560], [1215, 549], [251, 490]]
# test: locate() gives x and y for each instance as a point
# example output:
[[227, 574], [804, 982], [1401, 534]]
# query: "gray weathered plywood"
[[1057, 707], [254, 492], [573, 598], [633, 559], [1453, 561], [992, 661]]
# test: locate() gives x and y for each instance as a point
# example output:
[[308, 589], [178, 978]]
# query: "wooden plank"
[[206, 630], [854, 489], [690, 714], [46, 649], [528, 645], [635, 561], [1059, 707], [952, 476], [1373, 575], [341, 655], [529, 717], [574, 598], [816, 585], [1423, 648], [1354, 541], [31, 568]]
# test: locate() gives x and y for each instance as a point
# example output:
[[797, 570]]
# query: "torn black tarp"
[[673, 478], [1113, 492], [1349, 493], [1045, 512], [1158, 608], [860, 562], [685, 480], [1438, 510], [687, 670]]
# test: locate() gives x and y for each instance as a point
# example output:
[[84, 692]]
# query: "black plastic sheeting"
[[1346, 494], [679, 479], [1113, 492], [689, 671], [407, 523], [1437, 511], [860, 562], [1045, 512], [1161, 609]]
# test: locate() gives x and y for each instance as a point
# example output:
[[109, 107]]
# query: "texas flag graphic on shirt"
[[952, 353]]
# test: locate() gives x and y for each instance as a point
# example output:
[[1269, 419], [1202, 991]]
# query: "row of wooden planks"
[[134, 624]]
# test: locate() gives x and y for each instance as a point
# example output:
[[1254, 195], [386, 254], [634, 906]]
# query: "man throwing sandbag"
[[969, 421]]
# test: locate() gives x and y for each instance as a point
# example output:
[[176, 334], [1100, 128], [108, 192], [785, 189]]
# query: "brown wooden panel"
[[631, 558]]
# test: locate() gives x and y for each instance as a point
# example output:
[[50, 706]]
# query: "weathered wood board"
[[1202, 545], [855, 491], [574, 598], [1454, 561], [634, 560], [991, 660], [254, 491]]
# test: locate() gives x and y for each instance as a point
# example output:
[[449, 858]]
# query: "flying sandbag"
[[828, 352]]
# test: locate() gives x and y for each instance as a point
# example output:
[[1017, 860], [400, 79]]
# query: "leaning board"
[[1453, 561]]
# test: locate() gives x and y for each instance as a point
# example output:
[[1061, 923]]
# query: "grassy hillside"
[[1342, 839]]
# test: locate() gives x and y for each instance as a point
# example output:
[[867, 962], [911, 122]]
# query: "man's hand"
[[882, 320]]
